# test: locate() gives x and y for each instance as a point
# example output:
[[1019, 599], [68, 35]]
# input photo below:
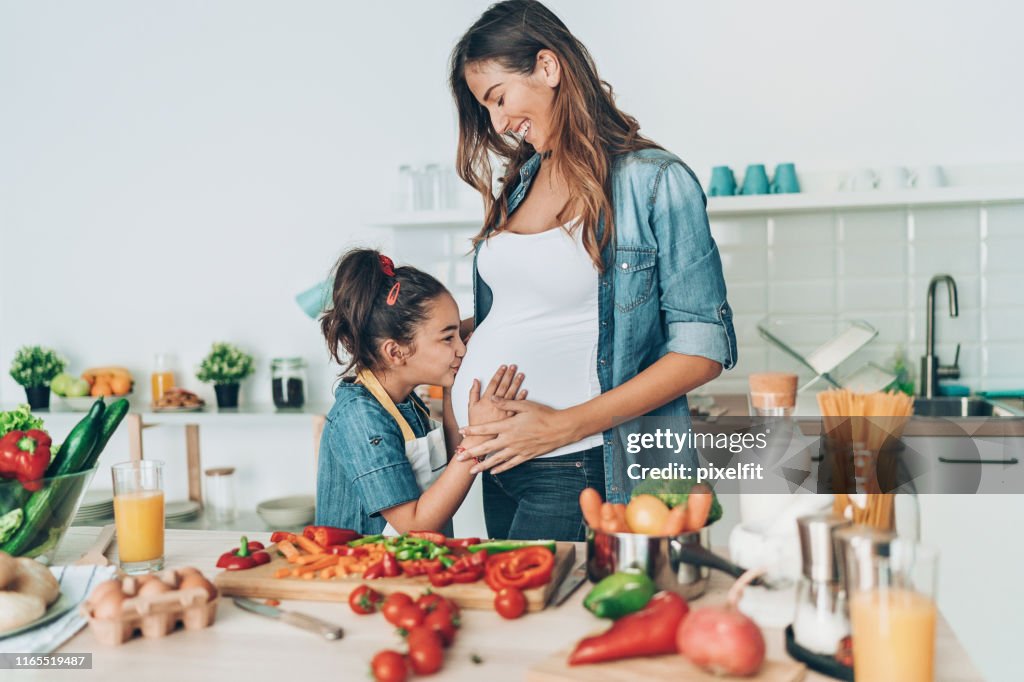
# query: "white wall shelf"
[[60, 417], [765, 204]]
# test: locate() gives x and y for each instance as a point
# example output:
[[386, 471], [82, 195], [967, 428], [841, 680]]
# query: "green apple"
[[77, 388], [60, 383]]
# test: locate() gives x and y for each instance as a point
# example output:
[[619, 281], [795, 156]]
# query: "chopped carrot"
[[287, 548], [282, 572], [308, 545], [273, 602], [590, 504], [698, 506], [309, 569], [305, 559]]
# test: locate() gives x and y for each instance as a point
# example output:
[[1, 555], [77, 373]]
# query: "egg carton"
[[154, 616]]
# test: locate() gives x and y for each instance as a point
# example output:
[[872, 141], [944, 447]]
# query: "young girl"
[[382, 459]]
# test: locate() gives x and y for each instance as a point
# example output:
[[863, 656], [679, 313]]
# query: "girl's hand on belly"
[[505, 384], [531, 431]]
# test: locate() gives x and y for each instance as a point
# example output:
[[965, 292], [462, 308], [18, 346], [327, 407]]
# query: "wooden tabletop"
[[244, 646]]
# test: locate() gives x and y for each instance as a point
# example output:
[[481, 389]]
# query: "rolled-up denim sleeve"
[[372, 456], [690, 280]]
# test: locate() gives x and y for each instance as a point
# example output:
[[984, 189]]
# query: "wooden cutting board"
[[260, 583], [676, 668]]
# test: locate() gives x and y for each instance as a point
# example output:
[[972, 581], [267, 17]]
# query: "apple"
[[60, 383], [77, 388]]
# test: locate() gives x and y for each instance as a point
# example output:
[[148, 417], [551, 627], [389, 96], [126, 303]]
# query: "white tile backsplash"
[[802, 230], [873, 227], [1003, 325], [872, 295], [1003, 254], [1003, 359], [1005, 220], [803, 298], [951, 257], [946, 225], [869, 259], [798, 265], [742, 232], [744, 265]]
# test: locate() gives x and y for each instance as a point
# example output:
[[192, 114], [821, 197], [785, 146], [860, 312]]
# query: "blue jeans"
[[540, 499]]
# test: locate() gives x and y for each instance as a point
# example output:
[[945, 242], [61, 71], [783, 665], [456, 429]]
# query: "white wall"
[[173, 173]]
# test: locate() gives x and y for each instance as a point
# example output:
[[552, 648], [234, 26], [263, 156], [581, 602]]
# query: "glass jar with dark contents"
[[288, 379]]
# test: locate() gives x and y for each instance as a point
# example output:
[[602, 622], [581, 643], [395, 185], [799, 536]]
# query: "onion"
[[721, 639]]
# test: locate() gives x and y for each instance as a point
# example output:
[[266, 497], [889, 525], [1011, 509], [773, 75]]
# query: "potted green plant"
[[34, 367], [225, 366]]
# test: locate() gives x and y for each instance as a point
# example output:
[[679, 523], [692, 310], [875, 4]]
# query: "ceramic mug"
[[755, 180], [931, 176], [314, 300], [784, 181], [896, 177], [860, 180], [723, 182]]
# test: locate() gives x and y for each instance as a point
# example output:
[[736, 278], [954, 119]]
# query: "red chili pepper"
[[649, 632], [521, 568], [24, 455], [246, 555], [329, 535], [461, 543], [279, 535], [436, 538], [390, 565]]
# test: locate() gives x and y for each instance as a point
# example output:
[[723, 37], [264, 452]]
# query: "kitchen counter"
[[241, 645]]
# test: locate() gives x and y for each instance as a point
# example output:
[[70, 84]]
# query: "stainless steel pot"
[[680, 564]]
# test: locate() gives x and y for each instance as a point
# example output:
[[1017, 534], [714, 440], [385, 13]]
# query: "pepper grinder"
[[820, 620]]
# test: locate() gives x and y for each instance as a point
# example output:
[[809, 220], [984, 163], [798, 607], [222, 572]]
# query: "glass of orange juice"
[[893, 613], [139, 515]]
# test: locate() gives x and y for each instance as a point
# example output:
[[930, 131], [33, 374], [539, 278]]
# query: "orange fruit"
[[101, 387], [120, 384], [646, 514]]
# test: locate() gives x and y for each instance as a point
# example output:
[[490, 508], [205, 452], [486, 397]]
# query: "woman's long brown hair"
[[590, 129]]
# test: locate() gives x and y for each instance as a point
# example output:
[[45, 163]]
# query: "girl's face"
[[518, 104], [437, 347]]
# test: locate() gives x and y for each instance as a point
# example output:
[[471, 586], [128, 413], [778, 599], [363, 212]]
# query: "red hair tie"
[[387, 265], [393, 294]]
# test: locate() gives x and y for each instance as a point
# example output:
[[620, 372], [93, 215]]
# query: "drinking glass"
[[139, 515], [893, 612]]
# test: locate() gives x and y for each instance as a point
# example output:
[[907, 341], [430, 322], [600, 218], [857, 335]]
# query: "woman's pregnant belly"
[[559, 362]]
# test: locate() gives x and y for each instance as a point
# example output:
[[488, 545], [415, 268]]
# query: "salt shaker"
[[820, 621]]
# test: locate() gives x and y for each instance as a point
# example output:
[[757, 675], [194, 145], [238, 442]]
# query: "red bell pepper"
[[429, 535], [461, 543], [326, 536], [280, 535], [389, 564], [521, 568], [648, 632], [344, 550], [246, 555], [24, 455], [440, 578]]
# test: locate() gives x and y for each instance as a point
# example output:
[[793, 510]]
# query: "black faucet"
[[931, 370]]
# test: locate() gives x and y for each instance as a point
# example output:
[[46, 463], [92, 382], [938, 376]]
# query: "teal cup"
[[314, 300], [784, 181], [723, 182], [755, 180]]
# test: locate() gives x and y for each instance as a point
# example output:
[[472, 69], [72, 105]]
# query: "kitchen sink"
[[959, 407]]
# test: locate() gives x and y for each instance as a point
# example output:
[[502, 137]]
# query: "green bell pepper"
[[620, 594]]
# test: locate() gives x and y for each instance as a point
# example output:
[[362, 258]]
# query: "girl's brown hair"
[[360, 317], [590, 129]]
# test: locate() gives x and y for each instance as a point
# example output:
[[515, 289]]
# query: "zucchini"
[[113, 415], [79, 444]]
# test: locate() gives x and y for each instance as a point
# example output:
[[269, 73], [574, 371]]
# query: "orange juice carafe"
[[139, 517], [163, 375]]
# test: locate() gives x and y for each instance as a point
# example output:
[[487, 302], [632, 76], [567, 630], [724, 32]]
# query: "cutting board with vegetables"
[[676, 668], [260, 583]]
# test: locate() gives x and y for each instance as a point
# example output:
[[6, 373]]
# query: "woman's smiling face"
[[517, 103]]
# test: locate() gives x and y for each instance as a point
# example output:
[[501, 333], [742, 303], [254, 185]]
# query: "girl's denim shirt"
[[362, 468], [662, 291]]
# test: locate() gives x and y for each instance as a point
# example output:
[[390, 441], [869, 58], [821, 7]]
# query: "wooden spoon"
[[95, 555]]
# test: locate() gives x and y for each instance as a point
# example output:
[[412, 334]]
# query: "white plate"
[[195, 408], [56, 610], [181, 509], [85, 403]]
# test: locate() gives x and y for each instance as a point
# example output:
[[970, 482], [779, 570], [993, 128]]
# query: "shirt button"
[[615, 488], [604, 323], [601, 362], [625, 266]]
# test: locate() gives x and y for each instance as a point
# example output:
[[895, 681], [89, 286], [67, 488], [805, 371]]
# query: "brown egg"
[[109, 607], [197, 580], [103, 589], [153, 588]]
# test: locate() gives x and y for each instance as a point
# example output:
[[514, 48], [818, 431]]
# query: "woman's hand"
[[531, 430], [505, 384]]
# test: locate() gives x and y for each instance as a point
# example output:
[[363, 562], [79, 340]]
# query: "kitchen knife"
[[569, 584], [299, 620]]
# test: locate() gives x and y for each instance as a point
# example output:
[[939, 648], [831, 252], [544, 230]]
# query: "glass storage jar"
[[288, 381]]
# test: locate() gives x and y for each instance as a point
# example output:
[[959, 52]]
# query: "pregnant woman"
[[595, 272]]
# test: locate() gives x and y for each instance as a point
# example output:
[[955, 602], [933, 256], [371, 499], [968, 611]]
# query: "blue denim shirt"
[[362, 467], [662, 290]]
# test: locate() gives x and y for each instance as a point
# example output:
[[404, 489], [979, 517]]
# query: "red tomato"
[[442, 622], [389, 666], [425, 651], [509, 603], [393, 604], [429, 601], [409, 616], [364, 600]]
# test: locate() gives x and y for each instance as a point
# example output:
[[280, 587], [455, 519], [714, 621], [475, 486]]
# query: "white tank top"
[[544, 319]]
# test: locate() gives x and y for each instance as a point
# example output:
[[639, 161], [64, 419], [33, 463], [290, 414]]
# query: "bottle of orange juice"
[[163, 374]]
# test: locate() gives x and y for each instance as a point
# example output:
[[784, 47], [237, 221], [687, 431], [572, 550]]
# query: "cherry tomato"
[[389, 666], [393, 604], [425, 651], [364, 600], [429, 601], [509, 603], [409, 616], [442, 622]]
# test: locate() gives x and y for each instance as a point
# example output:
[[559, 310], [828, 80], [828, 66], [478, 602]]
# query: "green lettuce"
[[19, 419]]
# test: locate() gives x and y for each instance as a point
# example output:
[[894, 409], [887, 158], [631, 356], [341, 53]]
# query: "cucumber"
[[79, 444], [113, 415]]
